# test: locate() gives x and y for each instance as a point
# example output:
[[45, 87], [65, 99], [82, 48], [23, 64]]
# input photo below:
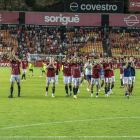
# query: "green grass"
[[34, 108]]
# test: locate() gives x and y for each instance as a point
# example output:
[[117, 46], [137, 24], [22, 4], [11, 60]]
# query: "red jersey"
[[51, 70], [15, 67], [24, 64], [96, 71], [57, 66], [110, 71], [76, 70], [66, 69], [121, 69], [107, 73], [112, 65]]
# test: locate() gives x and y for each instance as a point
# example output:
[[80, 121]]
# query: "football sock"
[[11, 90], [53, 89], [22, 76], [70, 87], [97, 93], [121, 83], [131, 88], [74, 90], [106, 89], [92, 91], [46, 89], [18, 89], [102, 85], [66, 89], [126, 93], [112, 86]]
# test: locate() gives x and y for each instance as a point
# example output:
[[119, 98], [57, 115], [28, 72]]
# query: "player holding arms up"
[[76, 80], [88, 67], [50, 76], [24, 64], [133, 67], [113, 77], [15, 74], [82, 71], [121, 73], [102, 76], [127, 80], [95, 78], [107, 76], [67, 75]]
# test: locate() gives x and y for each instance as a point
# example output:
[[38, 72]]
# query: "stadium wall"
[[37, 19], [39, 64]]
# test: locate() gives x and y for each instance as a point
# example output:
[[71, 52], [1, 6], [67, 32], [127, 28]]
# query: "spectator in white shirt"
[[88, 67], [137, 48]]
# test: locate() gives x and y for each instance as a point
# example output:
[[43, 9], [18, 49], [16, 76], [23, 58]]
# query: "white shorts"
[[79, 81], [82, 74], [24, 70], [127, 80], [121, 76], [113, 78], [108, 80], [76, 81], [15, 77], [50, 80], [95, 80], [133, 79], [67, 79], [102, 77]]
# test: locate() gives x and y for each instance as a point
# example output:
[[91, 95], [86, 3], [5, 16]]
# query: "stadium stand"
[[84, 41]]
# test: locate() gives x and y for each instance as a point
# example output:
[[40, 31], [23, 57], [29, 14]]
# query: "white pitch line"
[[40, 137], [68, 122]]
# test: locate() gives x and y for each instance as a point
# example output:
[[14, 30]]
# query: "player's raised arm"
[[72, 58], [125, 66], [133, 65], [47, 66], [53, 64]]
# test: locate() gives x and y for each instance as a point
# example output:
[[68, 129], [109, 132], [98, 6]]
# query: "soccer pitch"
[[35, 116]]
